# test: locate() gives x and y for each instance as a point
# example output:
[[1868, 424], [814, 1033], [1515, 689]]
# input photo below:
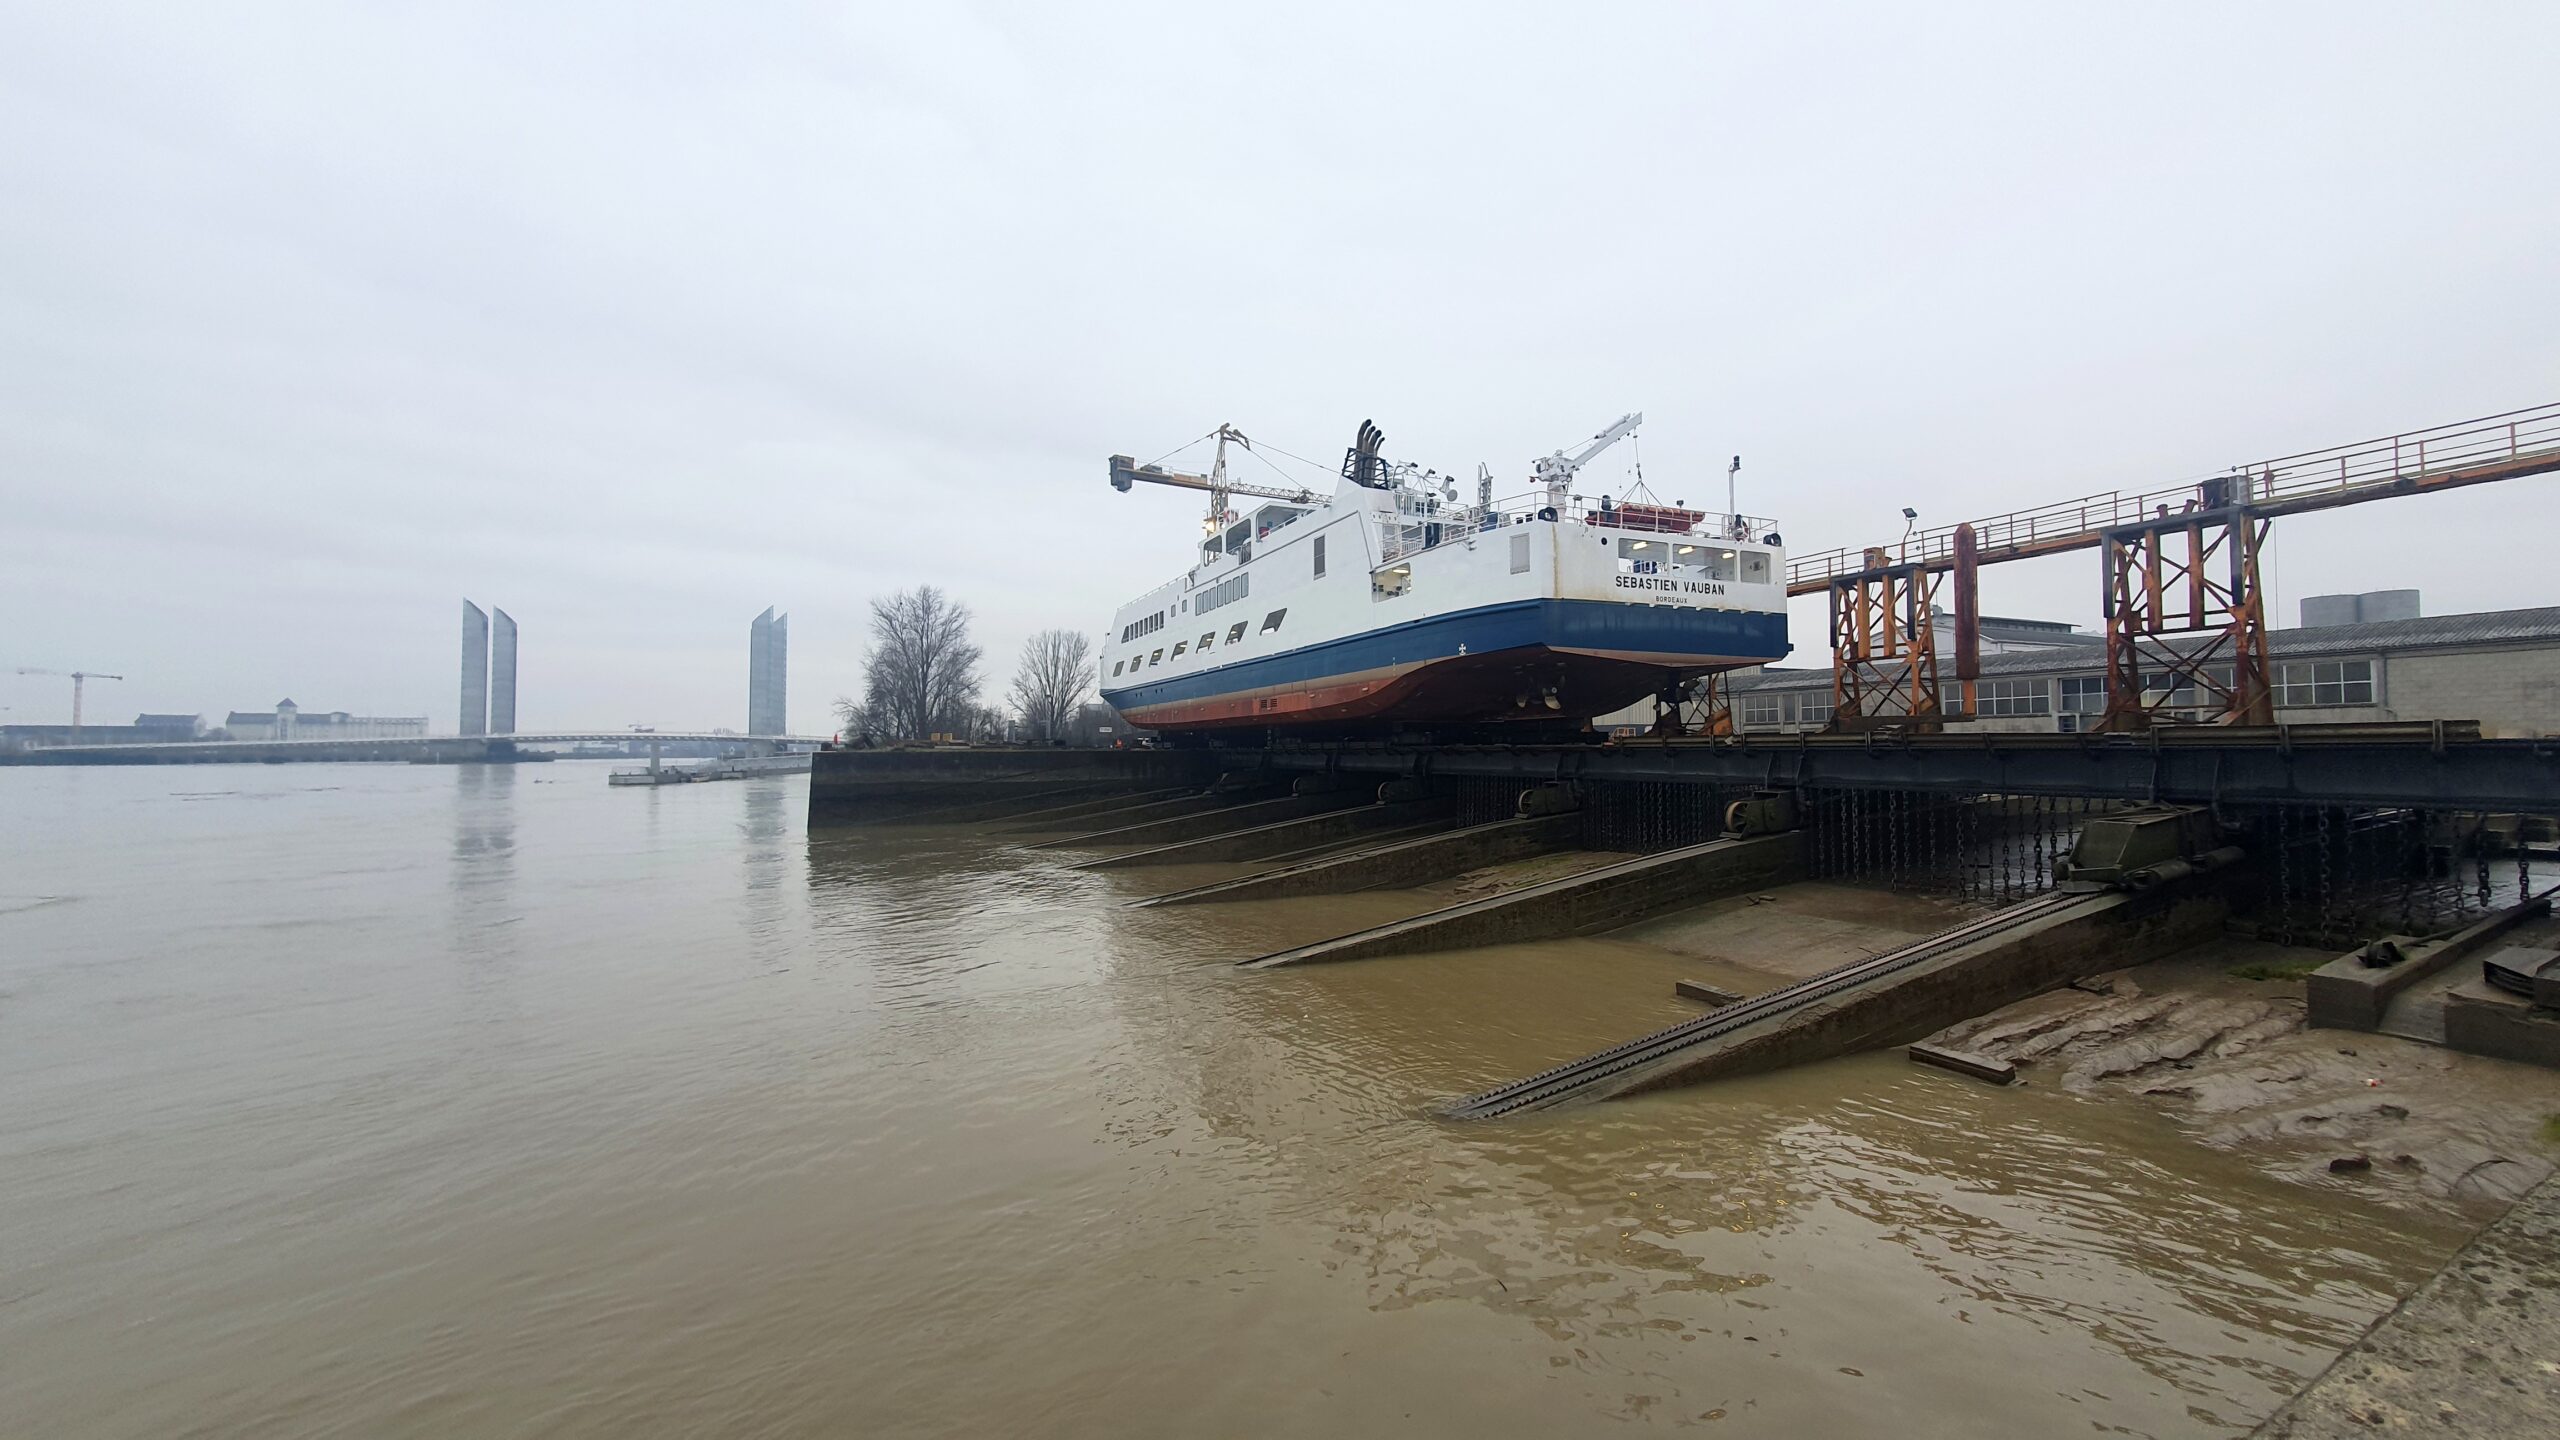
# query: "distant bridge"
[[407, 747]]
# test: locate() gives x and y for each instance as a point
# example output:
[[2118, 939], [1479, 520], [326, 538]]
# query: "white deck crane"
[[78, 679], [1126, 472], [1555, 472]]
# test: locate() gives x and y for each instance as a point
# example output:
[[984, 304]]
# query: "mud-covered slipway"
[[2327, 947]]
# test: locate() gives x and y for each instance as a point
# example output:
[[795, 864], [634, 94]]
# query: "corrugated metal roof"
[[2427, 632]]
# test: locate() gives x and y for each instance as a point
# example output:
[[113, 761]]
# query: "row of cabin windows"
[[1235, 633], [2299, 685], [1136, 628], [1662, 557]]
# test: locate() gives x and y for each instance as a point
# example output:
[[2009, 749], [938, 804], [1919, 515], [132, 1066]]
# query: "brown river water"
[[459, 1102]]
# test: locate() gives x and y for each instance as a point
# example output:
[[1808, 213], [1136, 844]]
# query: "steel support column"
[[1884, 648], [2180, 636]]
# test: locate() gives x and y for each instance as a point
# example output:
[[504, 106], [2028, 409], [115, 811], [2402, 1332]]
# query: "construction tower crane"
[[1555, 472], [78, 679], [1126, 472]]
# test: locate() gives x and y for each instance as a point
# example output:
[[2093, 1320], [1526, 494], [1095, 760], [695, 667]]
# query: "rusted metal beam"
[[2508, 446]]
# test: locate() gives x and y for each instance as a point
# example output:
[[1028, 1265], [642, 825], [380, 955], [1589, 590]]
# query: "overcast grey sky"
[[634, 320]]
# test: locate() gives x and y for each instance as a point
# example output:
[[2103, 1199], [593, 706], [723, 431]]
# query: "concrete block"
[[1704, 993], [1965, 1062], [2480, 1019]]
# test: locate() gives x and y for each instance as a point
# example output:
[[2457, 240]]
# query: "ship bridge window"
[[1719, 562], [1643, 557], [1272, 621], [1235, 632], [1240, 537], [1755, 567], [1272, 517]]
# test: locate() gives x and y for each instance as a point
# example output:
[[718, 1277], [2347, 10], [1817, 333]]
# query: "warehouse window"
[[2084, 695], [1763, 710], [2015, 697], [2324, 682], [1813, 709], [1272, 621]]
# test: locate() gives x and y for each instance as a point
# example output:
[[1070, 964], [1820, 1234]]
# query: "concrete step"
[[1216, 821], [1118, 810], [1583, 904], [1398, 865], [966, 806], [1259, 841]]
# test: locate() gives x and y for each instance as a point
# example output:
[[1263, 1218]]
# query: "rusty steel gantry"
[[2186, 625]]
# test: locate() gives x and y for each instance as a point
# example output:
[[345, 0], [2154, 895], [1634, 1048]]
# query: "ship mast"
[[1217, 519]]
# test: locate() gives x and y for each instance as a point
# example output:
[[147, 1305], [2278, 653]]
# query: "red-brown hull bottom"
[[1473, 689]]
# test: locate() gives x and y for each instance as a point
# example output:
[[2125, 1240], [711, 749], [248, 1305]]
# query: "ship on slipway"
[[1388, 605]]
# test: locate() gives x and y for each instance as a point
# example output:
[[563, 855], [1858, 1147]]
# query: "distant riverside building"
[[768, 674], [145, 730], [289, 721], [475, 670]]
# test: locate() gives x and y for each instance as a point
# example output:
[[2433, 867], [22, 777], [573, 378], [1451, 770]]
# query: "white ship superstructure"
[[1389, 602]]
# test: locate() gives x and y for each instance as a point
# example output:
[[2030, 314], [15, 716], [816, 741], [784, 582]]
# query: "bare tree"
[[1057, 670], [853, 720], [922, 673]]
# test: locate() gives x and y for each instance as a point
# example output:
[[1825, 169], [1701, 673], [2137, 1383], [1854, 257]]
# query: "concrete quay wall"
[[853, 787]]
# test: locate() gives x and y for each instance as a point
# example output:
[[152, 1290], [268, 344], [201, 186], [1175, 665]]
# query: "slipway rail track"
[[1607, 1072]]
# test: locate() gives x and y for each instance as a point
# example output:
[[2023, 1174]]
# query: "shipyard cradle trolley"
[[1388, 605]]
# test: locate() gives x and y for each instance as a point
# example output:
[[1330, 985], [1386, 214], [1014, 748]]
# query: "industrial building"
[[289, 721], [2499, 667], [768, 674], [145, 730]]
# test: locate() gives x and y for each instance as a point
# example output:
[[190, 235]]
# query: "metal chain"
[[2284, 874]]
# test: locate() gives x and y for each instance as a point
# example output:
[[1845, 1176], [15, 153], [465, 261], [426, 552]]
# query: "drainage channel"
[[1576, 1078]]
